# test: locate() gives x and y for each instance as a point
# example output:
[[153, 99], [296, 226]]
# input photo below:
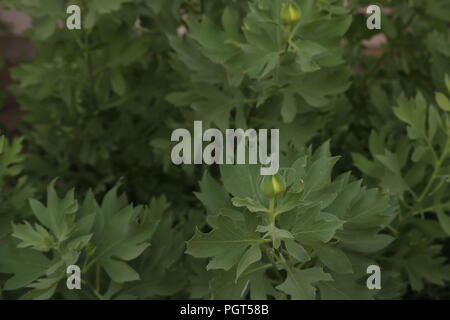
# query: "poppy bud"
[[290, 13], [271, 186]]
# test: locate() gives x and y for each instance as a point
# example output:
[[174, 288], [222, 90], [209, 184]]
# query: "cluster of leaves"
[[2, 94], [109, 241], [257, 71], [415, 168], [402, 149], [100, 104], [3, 28], [14, 186], [95, 96], [315, 240], [412, 54]]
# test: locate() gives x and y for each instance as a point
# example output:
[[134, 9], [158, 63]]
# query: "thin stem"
[[94, 291], [263, 267], [97, 278], [89, 67], [393, 230], [432, 208], [273, 263], [435, 173], [272, 211]]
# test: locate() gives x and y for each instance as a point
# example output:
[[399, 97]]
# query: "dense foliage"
[[90, 181]]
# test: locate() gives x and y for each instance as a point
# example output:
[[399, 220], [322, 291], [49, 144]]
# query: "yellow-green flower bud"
[[290, 13], [271, 186]]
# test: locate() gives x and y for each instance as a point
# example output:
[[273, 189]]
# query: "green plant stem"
[[393, 230], [263, 267], [88, 61], [202, 6], [432, 208], [272, 213], [97, 277], [435, 173], [273, 263]]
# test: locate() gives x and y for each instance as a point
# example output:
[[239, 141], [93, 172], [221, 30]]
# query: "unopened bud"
[[290, 13], [271, 186]]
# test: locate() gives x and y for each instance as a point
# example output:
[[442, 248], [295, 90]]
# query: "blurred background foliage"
[[99, 105]]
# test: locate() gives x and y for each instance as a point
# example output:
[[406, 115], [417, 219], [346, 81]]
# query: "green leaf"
[[300, 284], [106, 6], [121, 233], [390, 161], [296, 250], [155, 5], [315, 226], [159, 267], [118, 82], [38, 238], [442, 101], [288, 107], [26, 265], [214, 42], [231, 23], [11, 157], [252, 255], [274, 233], [59, 214], [44, 28], [326, 27], [135, 51], [226, 245], [241, 180], [307, 51], [291, 200], [319, 174], [344, 287], [423, 266], [213, 196], [376, 143], [447, 82], [444, 221], [418, 153], [364, 240], [365, 165], [119, 271], [224, 285], [334, 258], [249, 203]]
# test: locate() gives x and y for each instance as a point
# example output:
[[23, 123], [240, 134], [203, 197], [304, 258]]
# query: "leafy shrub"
[[94, 97], [400, 167], [15, 189], [100, 104], [102, 238], [2, 94], [319, 234]]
